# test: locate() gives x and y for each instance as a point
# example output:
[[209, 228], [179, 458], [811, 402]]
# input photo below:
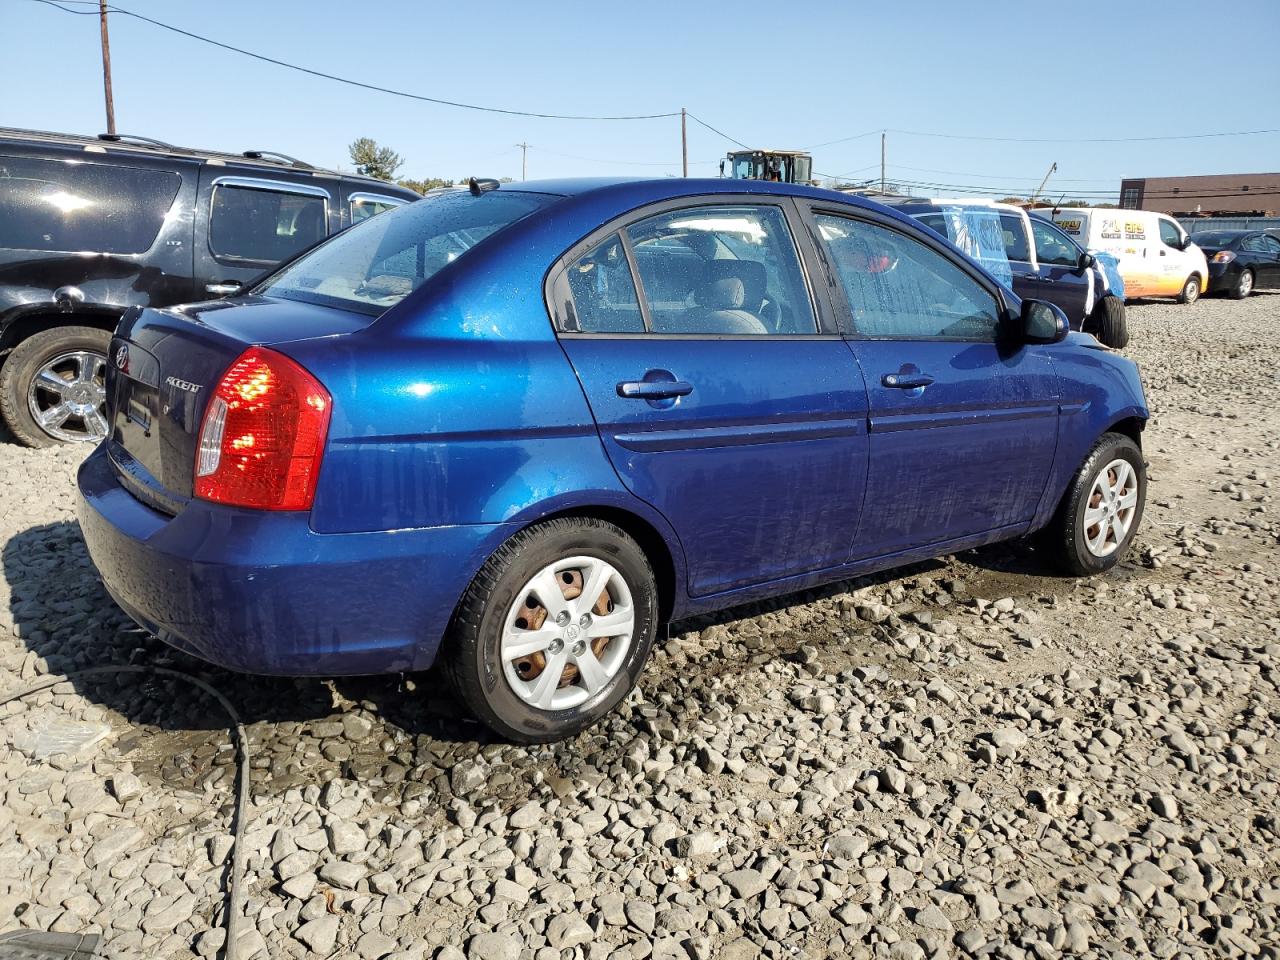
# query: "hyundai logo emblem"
[[122, 359]]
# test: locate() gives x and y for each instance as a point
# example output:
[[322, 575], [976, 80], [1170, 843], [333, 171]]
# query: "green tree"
[[422, 186], [372, 160]]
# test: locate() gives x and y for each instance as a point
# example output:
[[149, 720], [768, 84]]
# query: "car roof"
[[144, 147], [651, 190]]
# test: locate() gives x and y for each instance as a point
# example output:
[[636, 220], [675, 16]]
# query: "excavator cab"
[[784, 166]]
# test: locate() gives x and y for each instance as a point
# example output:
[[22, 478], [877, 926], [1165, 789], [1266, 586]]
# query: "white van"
[[1157, 257]]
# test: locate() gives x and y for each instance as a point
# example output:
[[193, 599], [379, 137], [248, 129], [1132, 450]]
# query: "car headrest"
[[727, 293], [752, 274]]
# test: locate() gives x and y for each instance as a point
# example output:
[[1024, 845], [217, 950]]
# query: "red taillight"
[[1223, 256], [263, 434]]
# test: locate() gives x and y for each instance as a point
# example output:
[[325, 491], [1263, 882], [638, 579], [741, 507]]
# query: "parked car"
[[514, 429], [92, 226], [1043, 261], [1240, 261], [1157, 257]]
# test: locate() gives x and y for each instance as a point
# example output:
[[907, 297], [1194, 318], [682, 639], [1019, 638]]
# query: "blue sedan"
[[516, 428]]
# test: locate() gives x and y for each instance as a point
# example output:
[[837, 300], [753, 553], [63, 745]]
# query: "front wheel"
[[1102, 508], [1244, 285], [553, 632], [1190, 290], [1110, 323], [53, 387]]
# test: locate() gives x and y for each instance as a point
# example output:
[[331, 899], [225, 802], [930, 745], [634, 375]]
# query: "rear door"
[[1062, 280], [1265, 250], [723, 398], [245, 225], [962, 426]]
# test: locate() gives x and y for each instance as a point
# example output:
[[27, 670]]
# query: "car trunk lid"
[[163, 367]]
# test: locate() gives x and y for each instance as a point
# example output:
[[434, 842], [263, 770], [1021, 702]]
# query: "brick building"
[[1231, 193]]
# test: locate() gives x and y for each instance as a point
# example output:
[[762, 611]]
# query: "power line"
[[1177, 136], [719, 132], [355, 83]]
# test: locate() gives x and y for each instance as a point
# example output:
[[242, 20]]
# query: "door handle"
[[654, 389], [906, 381], [222, 289]]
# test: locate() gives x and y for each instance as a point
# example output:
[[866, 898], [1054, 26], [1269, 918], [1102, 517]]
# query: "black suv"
[[90, 226]]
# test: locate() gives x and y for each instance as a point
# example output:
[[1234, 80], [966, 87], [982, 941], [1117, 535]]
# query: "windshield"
[[377, 263], [1214, 238]]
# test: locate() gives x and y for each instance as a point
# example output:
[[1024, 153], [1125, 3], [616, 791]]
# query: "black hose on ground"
[[235, 904]]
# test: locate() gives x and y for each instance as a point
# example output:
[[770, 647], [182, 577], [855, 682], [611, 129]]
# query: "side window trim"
[[637, 281], [363, 195], [266, 186], [555, 286], [813, 209]]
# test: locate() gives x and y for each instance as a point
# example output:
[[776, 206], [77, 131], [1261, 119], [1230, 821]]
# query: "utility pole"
[[684, 142], [106, 67], [524, 159], [1040, 189], [882, 133]]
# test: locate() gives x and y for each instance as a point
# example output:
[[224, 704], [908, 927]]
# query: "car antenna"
[[1057, 207], [479, 185]]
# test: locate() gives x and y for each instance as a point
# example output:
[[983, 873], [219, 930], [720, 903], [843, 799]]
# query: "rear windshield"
[[1215, 238], [73, 206], [377, 263]]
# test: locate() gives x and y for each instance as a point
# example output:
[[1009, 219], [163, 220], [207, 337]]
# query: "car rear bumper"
[[260, 592], [1223, 276]]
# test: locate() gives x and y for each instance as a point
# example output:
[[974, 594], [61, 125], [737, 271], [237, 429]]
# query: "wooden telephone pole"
[[524, 158], [106, 67], [684, 142]]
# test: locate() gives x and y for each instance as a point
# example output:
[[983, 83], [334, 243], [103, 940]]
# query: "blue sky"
[[766, 73]]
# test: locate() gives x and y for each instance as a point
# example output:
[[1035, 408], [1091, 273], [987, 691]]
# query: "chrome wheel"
[[1244, 286], [567, 633], [67, 397], [1112, 505]]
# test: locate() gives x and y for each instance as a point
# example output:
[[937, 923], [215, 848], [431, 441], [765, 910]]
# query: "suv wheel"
[[53, 387], [1109, 322], [554, 630], [1190, 290], [1102, 508]]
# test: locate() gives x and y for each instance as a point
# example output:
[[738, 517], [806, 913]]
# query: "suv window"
[[73, 207], [266, 226], [729, 269], [375, 264], [363, 206], [899, 288], [1015, 237], [1052, 246], [1170, 235]]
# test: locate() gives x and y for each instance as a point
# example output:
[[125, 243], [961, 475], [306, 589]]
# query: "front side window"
[[1015, 238], [899, 288], [73, 206], [264, 226], [1170, 235], [377, 263], [728, 269], [1052, 247]]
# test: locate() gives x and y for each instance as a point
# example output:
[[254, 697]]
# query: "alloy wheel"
[[1112, 505], [567, 633], [67, 397], [1244, 286]]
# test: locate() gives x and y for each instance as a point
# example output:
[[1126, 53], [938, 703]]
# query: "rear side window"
[[722, 270], [604, 296], [898, 288], [364, 206], [264, 226], [74, 206], [375, 264]]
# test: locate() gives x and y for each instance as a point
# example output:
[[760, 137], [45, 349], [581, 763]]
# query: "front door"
[[1022, 261], [1062, 280], [962, 427], [246, 225], [719, 399]]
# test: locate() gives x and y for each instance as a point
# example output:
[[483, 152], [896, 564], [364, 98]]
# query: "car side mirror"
[[1042, 322], [1087, 260]]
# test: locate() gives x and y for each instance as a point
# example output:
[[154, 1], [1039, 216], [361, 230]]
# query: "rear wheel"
[[553, 632], [1109, 322], [1101, 510], [53, 387], [1190, 290], [1244, 285]]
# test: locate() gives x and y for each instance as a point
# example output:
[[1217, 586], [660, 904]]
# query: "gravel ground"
[[965, 757]]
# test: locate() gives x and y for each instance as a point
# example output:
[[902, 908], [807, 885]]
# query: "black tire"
[[471, 654], [1066, 533], [22, 365], [1109, 323], [1243, 286], [1190, 289]]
